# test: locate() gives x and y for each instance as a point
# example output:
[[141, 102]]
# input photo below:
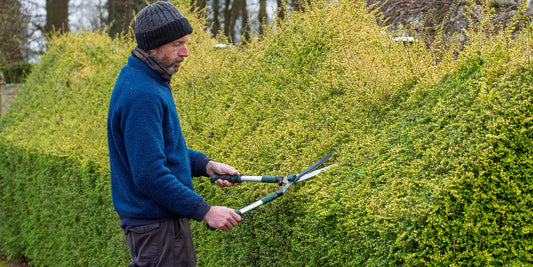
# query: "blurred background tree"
[[121, 14], [429, 19], [56, 16], [14, 20]]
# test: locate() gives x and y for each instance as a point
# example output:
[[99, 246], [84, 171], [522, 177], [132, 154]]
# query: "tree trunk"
[[122, 13], [56, 16], [245, 32], [281, 9], [215, 26], [227, 20], [262, 16]]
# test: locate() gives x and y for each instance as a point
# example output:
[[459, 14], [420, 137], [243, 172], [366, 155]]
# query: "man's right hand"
[[222, 218]]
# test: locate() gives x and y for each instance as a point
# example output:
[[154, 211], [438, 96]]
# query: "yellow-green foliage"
[[54, 166], [435, 169], [70, 85]]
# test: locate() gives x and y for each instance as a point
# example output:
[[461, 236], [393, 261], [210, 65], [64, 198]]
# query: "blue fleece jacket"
[[151, 166]]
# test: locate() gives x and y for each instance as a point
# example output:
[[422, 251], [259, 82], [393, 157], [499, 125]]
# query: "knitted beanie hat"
[[158, 24]]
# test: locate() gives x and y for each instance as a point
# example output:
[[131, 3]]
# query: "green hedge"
[[55, 205], [435, 169], [56, 212]]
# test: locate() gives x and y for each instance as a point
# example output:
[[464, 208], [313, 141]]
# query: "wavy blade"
[[316, 164], [314, 173]]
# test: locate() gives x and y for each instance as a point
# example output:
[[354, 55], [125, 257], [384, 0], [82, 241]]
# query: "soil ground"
[[5, 263]]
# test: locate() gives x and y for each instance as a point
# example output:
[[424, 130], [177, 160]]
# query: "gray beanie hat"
[[158, 24]]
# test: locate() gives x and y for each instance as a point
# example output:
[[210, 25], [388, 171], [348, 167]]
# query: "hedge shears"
[[284, 182]]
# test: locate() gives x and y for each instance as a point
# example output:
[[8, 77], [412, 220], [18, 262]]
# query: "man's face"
[[173, 53]]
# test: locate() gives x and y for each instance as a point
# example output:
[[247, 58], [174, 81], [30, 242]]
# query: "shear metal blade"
[[316, 164], [314, 173]]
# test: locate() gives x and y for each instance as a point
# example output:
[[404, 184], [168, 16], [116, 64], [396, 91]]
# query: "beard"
[[173, 67]]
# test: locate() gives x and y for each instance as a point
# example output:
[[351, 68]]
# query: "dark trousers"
[[167, 243]]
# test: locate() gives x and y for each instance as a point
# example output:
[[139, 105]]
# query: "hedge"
[[435, 169]]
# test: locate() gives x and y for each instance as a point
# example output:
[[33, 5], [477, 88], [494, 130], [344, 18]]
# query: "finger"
[[224, 183], [227, 225], [233, 223], [233, 171], [224, 226], [236, 217], [224, 168], [221, 183]]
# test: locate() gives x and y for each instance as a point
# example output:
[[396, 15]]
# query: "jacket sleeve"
[[198, 163]]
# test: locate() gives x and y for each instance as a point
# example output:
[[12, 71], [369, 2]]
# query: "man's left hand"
[[221, 168]]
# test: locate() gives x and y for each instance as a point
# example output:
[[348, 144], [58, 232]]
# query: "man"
[[151, 165]]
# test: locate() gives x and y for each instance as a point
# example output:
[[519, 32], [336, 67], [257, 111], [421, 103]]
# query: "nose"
[[184, 51]]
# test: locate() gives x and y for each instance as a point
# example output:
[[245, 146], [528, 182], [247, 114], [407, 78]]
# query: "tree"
[[56, 16], [245, 31], [215, 21], [13, 36], [262, 16], [425, 19], [198, 4], [122, 14]]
